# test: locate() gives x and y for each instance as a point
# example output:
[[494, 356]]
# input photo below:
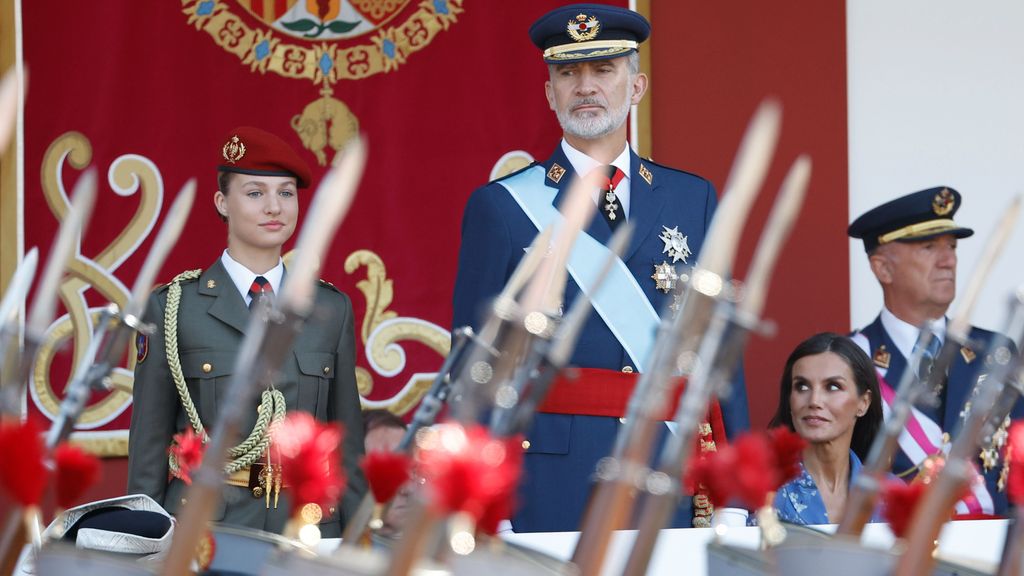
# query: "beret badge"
[[234, 150], [583, 28], [943, 202]]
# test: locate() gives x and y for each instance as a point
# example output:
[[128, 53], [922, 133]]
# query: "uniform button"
[[207, 367], [184, 501], [257, 492], [622, 420], [327, 369], [627, 369], [332, 510], [526, 444]]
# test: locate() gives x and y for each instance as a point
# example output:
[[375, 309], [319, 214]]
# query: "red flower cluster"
[[468, 471], [1015, 462], [187, 449], [900, 501], [310, 460], [754, 465], [23, 474], [386, 472], [76, 472]]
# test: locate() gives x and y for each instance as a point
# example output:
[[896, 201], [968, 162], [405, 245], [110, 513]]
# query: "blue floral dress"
[[799, 502]]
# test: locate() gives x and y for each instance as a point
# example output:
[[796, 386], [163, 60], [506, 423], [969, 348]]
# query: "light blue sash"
[[620, 302]]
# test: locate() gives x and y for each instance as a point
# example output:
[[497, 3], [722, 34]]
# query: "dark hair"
[[373, 419], [223, 181], [867, 426]]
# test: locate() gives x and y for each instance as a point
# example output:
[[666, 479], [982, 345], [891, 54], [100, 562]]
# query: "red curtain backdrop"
[[712, 63]]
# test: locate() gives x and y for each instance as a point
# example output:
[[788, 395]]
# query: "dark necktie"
[[608, 202], [260, 288], [930, 406]]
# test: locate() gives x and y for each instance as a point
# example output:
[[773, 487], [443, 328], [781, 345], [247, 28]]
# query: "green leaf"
[[340, 26], [299, 25]]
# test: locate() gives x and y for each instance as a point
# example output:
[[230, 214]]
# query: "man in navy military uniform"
[[911, 245], [594, 78]]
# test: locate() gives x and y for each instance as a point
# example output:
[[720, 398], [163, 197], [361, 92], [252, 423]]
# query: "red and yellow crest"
[[583, 28]]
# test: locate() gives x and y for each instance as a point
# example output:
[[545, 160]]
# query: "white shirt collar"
[[904, 334], [243, 277], [583, 164]]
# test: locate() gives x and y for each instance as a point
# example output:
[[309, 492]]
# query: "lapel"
[[961, 378], [227, 306], [646, 199], [560, 174], [878, 337]]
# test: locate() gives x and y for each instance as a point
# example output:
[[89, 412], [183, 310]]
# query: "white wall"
[[936, 97]]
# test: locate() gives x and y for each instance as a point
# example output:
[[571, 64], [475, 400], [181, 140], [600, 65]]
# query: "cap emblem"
[[943, 202], [233, 150], [583, 28]]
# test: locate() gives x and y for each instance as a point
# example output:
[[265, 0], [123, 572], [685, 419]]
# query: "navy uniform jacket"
[[318, 377], [564, 449], [959, 384]]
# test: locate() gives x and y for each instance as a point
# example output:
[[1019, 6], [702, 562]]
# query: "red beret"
[[249, 150]]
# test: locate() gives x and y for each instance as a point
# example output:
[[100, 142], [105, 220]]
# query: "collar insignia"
[[211, 283], [968, 354], [664, 277], [675, 244], [881, 357], [943, 202], [234, 150], [583, 28], [646, 174], [556, 172]]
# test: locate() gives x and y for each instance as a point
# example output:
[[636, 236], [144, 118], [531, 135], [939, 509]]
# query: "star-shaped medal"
[[675, 244], [664, 277]]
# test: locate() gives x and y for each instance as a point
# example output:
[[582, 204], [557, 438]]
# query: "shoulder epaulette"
[[511, 174], [650, 162], [329, 286]]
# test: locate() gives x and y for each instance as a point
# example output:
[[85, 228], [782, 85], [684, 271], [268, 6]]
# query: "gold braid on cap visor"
[[919, 229], [600, 47]]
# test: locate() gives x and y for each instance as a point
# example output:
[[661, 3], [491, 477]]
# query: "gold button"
[[332, 510], [257, 492], [184, 501], [327, 369], [526, 444], [627, 369], [207, 367]]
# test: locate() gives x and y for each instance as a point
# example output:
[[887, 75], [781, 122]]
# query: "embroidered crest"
[[881, 357], [645, 173], [322, 42], [141, 347], [943, 202], [675, 244], [664, 277], [234, 150], [583, 28], [968, 354], [211, 283], [556, 172]]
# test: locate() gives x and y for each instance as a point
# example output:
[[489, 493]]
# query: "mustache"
[[588, 102]]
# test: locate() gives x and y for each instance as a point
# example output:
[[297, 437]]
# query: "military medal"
[[675, 244], [610, 205], [664, 277]]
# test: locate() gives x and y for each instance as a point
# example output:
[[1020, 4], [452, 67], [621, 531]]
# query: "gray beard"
[[593, 126]]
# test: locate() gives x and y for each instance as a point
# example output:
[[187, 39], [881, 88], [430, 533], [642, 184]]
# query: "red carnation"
[[187, 449], [386, 472], [789, 450], [754, 469], [1015, 463], [76, 472], [23, 474], [900, 501], [468, 471], [309, 457]]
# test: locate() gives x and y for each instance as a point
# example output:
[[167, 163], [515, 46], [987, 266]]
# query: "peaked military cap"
[[256, 152], [911, 218], [588, 32]]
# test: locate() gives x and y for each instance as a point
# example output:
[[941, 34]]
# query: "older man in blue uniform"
[[911, 245], [594, 78]]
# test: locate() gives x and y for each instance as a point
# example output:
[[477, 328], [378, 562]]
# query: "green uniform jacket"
[[318, 377]]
